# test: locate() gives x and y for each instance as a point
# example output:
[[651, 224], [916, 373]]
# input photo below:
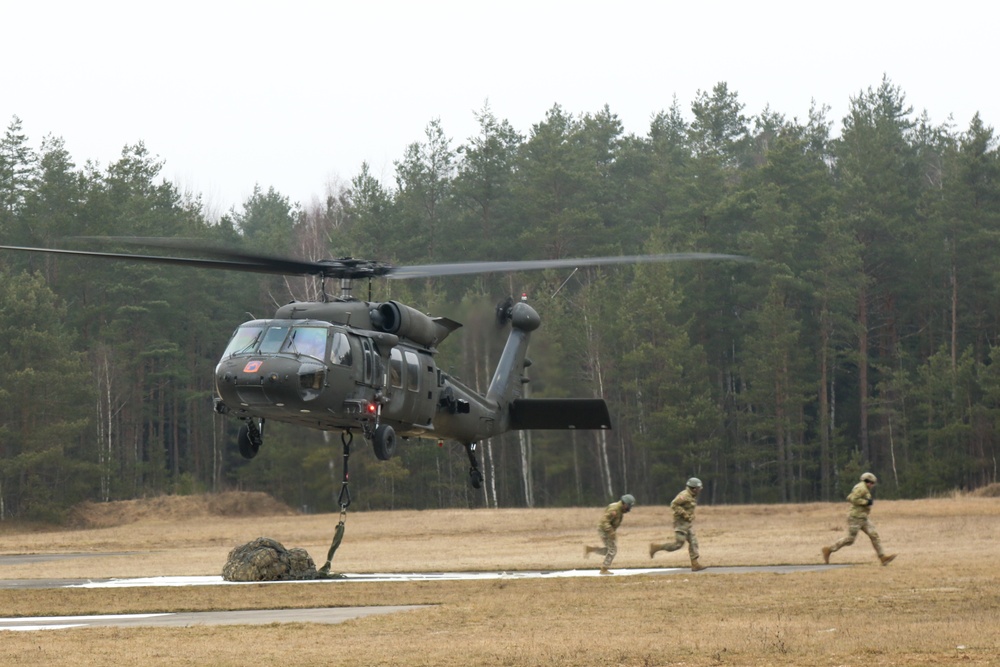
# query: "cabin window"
[[396, 368], [369, 353], [310, 341], [340, 349], [412, 371], [379, 372]]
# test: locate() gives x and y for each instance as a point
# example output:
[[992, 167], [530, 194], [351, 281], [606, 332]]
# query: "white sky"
[[296, 94]]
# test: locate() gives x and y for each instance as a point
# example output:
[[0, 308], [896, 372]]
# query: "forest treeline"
[[862, 336]]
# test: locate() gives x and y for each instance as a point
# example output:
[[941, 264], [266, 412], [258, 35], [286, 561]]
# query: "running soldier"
[[861, 506], [608, 530], [683, 507]]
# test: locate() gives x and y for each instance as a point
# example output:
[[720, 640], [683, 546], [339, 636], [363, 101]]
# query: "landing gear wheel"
[[476, 478], [249, 440], [384, 442]]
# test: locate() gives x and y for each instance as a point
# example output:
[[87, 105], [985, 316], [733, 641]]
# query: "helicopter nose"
[[277, 382]]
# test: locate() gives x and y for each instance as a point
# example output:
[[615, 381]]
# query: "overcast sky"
[[297, 94]]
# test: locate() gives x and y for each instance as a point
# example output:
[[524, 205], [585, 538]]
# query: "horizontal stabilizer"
[[559, 413]]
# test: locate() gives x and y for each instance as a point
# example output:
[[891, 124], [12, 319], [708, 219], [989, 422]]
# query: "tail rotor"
[[503, 311]]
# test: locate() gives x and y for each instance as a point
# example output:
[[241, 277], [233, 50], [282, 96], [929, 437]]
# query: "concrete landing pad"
[[446, 576], [188, 619]]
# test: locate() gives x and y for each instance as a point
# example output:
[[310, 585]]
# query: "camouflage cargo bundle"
[[265, 559]]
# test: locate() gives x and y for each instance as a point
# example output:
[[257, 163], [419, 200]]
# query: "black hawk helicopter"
[[358, 366]]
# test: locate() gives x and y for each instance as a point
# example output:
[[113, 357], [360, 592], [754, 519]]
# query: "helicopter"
[[351, 365]]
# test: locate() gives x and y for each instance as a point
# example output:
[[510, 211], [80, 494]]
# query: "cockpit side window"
[[340, 349]]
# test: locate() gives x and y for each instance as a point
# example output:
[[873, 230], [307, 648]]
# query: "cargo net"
[[265, 559]]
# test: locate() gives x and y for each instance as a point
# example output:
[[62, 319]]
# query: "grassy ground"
[[937, 604]]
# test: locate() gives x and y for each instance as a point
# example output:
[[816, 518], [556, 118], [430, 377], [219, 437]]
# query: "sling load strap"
[[345, 493], [338, 537], [345, 501]]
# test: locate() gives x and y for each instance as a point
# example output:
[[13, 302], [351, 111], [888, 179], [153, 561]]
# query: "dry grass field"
[[937, 604]]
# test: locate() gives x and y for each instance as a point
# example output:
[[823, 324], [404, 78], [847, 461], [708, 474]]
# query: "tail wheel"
[[384, 442]]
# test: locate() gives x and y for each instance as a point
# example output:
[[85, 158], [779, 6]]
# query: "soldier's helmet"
[[694, 483], [628, 499], [868, 477]]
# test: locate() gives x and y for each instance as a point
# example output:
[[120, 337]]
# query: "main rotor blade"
[[235, 259], [347, 267], [194, 262], [344, 267], [356, 268], [429, 270]]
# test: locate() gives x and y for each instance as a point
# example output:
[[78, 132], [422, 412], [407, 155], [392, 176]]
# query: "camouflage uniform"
[[861, 506], [683, 506], [607, 529]]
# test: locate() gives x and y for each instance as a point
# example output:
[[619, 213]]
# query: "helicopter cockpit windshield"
[[244, 340], [310, 341], [275, 338]]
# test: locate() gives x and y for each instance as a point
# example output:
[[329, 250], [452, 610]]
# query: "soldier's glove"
[[871, 501]]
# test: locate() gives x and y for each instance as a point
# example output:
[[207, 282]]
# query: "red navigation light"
[[372, 408]]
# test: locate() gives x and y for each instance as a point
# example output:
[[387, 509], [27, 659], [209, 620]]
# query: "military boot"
[[696, 566], [826, 555], [653, 548], [887, 559], [588, 550], [605, 570]]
